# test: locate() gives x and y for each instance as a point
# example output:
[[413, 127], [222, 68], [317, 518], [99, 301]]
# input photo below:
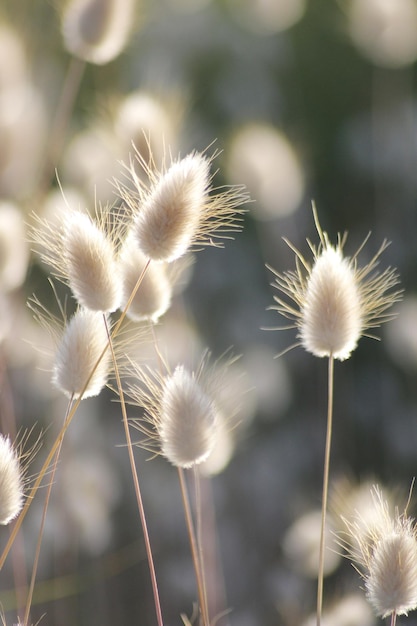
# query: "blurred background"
[[303, 100]]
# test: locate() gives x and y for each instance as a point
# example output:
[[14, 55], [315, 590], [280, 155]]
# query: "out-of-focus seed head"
[[97, 31], [153, 296], [11, 482]]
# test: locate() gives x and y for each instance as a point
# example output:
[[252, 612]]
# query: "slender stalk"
[[136, 481], [61, 434], [41, 528], [393, 618], [199, 526], [325, 487], [194, 548]]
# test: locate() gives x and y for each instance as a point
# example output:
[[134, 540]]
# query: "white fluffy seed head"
[[331, 301], [82, 343], [384, 549], [91, 265], [331, 320], [187, 420], [97, 30], [391, 583], [11, 482], [170, 216], [153, 296]]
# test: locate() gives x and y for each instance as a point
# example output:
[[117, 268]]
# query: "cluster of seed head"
[[120, 259]]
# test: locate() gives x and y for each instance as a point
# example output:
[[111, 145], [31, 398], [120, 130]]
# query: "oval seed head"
[[333, 302], [97, 30], [169, 218], [331, 318], [187, 420], [391, 583], [11, 482], [153, 297], [385, 553], [90, 263], [82, 344], [179, 209]]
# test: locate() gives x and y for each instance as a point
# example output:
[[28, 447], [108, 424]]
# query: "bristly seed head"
[[333, 302], [179, 209], [79, 350], [183, 410], [387, 559], [82, 253]]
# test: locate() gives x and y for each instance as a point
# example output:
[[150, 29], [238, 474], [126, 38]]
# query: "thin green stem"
[[320, 577], [199, 526], [136, 481], [194, 548]]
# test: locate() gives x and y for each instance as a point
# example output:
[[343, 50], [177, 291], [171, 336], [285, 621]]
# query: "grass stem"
[[320, 577]]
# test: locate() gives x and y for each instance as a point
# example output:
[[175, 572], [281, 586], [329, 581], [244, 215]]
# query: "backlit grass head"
[[332, 301]]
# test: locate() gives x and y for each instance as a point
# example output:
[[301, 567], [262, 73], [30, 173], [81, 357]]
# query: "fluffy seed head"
[[11, 482], [331, 318], [81, 345], [82, 252], [387, 558], [335, 301], [97, 30], [153, 296], [184, 411], [177, 210], [91, 264], [187, 422]]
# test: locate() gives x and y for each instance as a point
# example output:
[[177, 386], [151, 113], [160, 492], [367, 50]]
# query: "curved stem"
[[325, 487]]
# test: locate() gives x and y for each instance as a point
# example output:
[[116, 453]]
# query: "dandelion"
[[77, 369], [97, 31], [83, 254], [179, 209], [336, 302], [11, 482], [387, 559]]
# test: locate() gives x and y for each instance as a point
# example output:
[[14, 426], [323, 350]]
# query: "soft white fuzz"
[[187, 421], [387, 558], [91, 264], [11, 482], [97, 30], [332, 302], [184, 413], [82, 343], [169, 217], [179, 209], [331, 318], [153, 297]]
